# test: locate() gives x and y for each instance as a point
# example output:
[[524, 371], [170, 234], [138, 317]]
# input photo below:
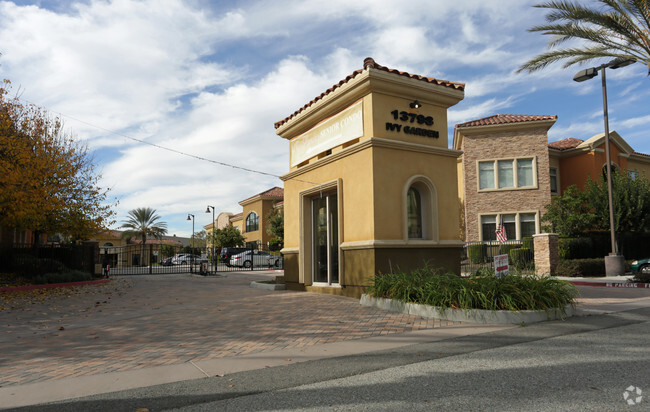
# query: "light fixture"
[[614, 263], [207, 210], [415, 104]]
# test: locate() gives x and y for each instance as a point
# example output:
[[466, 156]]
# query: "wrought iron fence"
[[164, 259], [34, 260], [479, 256]]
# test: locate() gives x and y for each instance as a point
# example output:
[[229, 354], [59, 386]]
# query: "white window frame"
[[517, 221], [515, 177]]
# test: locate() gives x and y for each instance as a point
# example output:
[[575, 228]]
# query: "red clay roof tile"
[[505, 119], [369, 63], [564, 144], [276, 192]]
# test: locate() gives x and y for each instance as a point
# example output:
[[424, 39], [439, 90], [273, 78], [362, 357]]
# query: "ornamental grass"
[[513, 292]]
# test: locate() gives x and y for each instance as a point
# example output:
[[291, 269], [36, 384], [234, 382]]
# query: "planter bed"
[[467, 315]]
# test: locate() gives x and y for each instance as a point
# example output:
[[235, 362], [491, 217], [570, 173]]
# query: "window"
[[506, 174], [510, 224], [486, 175], [488, 227], [553, 175], [527, 224], [524, 172], [414, 213], [252, 222], [419, 209], [510, 174], [633, 174], [517, 225]]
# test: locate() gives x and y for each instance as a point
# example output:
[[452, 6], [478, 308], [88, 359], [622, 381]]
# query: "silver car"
[[259, 258]]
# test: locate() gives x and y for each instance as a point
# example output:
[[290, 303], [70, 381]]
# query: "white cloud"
[[210, 79]]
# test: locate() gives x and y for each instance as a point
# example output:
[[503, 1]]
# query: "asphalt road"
[[584, 363]]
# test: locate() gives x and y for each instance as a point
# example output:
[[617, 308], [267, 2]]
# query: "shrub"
[[641, 278], [477, 252], [528, 243], [30, 266], [520, 258], [581, 267], [505, 248], [62, 277], [575, 248], [476, 292]]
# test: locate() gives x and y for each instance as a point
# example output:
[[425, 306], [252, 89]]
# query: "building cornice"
[[366, 144]]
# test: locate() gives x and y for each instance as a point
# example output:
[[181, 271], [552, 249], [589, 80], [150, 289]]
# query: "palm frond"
[[611, 28]]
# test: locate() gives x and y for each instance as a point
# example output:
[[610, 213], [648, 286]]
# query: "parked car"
[[166, 262], [228, 252], [640, 266], [276, 261], [249, 258], [186, 259]]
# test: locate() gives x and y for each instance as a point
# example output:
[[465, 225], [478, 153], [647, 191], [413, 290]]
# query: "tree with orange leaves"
[[48, 182]]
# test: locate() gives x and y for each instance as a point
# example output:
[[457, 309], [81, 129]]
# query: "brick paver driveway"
[[144, 321]]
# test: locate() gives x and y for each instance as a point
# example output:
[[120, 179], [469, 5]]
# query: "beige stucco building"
[[372, 185], [252, 221]]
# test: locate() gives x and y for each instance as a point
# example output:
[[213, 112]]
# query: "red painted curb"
[[55, 285], [627, 285]]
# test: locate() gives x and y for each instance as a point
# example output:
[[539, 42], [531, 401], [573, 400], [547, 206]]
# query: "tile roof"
[[564, 144], [369, 63], [505, 119]]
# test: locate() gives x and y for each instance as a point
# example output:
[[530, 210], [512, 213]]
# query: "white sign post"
[[501, 267]]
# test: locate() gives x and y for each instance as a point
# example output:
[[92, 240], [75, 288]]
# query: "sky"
[[210, 79]]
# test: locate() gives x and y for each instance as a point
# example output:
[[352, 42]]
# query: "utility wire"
[[176, 151]]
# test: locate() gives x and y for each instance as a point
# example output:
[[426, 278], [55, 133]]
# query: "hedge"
[[581, 267], [477, 252], [520, 258]]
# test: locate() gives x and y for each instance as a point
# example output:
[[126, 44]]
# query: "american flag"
[[501, 233]]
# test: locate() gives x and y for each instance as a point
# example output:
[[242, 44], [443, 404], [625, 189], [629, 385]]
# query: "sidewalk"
[[146, 331]]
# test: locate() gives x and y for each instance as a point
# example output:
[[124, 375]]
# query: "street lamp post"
[[207, 210], [191, 243], [614, 263]]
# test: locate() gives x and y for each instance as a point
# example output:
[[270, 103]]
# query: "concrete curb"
[[268, 286], [467, 315], [54, 285], [612, 284]]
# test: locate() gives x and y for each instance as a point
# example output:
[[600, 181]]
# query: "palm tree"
[[142, 223], [610, 28]]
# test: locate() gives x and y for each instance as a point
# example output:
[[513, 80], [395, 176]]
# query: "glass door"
[[325, 241]]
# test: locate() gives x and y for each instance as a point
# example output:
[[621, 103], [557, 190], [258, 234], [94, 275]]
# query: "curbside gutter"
[[467, 315], [54, 285]]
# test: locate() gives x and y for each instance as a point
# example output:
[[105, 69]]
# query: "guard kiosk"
[[372, 184]]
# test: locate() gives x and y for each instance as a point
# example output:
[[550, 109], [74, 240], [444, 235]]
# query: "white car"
[[259, 258]]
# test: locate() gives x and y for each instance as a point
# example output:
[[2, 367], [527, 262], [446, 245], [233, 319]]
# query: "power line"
[[174, 150]]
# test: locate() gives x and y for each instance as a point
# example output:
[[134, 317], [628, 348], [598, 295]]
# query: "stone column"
[[546, 253]]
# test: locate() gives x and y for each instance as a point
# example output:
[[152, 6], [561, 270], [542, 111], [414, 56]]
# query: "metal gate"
[[154, 259]]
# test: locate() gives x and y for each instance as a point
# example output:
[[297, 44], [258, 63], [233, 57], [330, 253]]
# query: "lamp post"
[[614, 263], [207, 210], [191, 243]]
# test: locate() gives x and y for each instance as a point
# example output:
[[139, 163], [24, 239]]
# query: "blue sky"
[[210, 78]]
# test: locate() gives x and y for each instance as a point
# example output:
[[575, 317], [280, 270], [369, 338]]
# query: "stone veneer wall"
[[547, 255], [504, 145]]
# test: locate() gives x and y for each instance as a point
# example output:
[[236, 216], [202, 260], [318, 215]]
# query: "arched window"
[[414, 213], [252, 222], [420, 213], [108, 244]]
